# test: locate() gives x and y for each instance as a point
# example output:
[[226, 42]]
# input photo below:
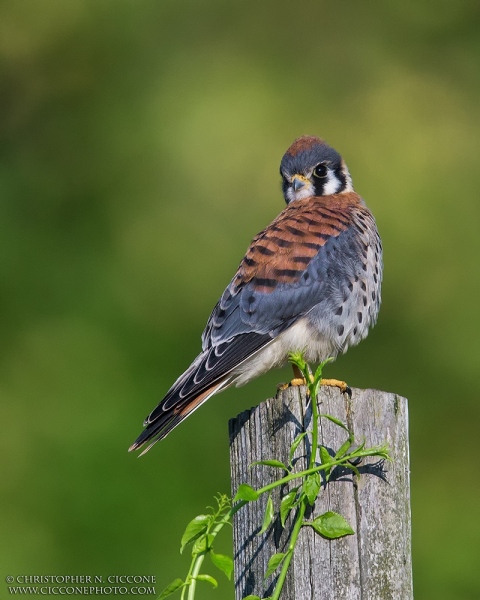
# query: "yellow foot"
[[296, 381], [336, 383]]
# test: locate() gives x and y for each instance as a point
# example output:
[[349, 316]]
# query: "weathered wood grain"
[[373, 564]]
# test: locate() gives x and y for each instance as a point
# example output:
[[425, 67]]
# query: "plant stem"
[[302, 474], [291, 547], [313, 400], [187, 579], [197, 563], [199, 558], [376, 451], [312, 392]]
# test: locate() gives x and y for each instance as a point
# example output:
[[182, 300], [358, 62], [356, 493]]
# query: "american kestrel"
[[309, 282]]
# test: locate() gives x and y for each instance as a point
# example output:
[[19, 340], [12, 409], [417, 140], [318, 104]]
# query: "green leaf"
[[324, 455], [273, 564], [253, 598], [222, 562], [331, 525], [196, 527], [381, 451], [336, 421], [202, 544], [246, 492], [270, 463], [294, 446], [343, 448], [317, 378], [269, 514], [361, 447], [173, 587], [297, 359], [207, 578], [311, 487], [327, 361], [325, 459], [286, 505], [318, 373]]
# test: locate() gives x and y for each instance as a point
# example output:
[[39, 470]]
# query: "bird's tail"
[[213, 370], [172, 411]]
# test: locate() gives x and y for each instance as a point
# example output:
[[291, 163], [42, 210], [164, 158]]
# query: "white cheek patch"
[[332, 185]]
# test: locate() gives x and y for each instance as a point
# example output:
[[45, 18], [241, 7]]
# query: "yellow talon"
[[336, 383], [297, 381]]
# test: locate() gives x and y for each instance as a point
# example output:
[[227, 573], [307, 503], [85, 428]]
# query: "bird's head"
[[312, 168]]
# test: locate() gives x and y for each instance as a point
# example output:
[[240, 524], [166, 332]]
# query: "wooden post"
[[373, 564]]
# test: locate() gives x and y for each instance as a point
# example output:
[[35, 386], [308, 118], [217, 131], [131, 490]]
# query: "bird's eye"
[[320, 170]]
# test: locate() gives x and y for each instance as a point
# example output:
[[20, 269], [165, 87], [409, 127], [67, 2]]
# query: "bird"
[[309, 282]]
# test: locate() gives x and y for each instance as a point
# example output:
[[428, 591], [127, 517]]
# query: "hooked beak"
[[298, 182]]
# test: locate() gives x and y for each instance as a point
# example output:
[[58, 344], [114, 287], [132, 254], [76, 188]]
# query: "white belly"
[[298, 337]]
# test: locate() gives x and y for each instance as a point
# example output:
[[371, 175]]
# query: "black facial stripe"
[[319, 185]]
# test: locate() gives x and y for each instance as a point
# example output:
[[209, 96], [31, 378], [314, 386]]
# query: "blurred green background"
[[140, 145]]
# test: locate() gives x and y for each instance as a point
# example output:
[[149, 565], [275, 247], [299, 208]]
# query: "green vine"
[[202, 531]]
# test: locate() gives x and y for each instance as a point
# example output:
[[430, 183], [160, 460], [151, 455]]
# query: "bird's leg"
[[298, 379]]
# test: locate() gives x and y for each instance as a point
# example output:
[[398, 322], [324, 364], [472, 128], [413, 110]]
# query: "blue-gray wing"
[[310, 254]]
